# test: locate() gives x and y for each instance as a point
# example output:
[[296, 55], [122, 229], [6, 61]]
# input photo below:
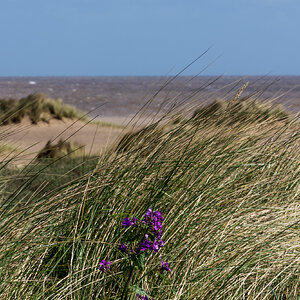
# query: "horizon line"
[[94, 76]]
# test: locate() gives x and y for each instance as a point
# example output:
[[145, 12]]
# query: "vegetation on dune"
[[37, 107], [60, 149], [245, 110], [226, 113], [226, 182]]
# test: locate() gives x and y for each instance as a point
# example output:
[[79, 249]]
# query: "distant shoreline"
[[145, 76], [123, 96]]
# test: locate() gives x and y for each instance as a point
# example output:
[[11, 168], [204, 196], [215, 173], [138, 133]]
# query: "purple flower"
[[155, 246], [146, 244], [138, 296], [148, 216], [159, 216], [149, 212], [104, 265], [153, 220], [158, 243], [158, 234], [152, 240], [123, 247], [164, 266], [157, 225], [127, 222]]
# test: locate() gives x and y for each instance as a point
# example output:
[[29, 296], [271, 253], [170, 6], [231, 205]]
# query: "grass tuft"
[[37, 107], [61, 149], [246, 110]]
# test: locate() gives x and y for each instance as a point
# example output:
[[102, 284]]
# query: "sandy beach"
[[30, 139]]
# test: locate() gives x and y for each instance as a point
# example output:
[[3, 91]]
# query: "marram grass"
[[229, 191], [61, 149], [37, 107]]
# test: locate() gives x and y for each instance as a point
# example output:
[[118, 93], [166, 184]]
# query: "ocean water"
[[124, 96]]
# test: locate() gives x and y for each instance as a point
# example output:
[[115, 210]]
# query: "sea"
[[125, 96]]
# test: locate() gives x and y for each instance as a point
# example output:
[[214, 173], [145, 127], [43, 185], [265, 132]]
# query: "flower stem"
[[126, 287]]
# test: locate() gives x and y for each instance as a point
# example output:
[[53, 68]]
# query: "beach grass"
[[61, 149], [37, 107], [226, 180]]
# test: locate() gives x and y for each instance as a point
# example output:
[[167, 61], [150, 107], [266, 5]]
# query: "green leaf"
[[139, 290], [164, 277], [139, 260]]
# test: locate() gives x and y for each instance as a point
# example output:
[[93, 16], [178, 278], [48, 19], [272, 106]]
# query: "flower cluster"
[[104, 265], [147, 244], [140, 238], [138, 296], [153, 221], [148, 231], [127, 222]]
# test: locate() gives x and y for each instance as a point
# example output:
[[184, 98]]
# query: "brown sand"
[[32, 138]]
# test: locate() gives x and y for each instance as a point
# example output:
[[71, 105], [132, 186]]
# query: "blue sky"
[[149, 37]]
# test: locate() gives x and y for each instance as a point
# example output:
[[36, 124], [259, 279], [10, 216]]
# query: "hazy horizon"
[[242, 76]]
